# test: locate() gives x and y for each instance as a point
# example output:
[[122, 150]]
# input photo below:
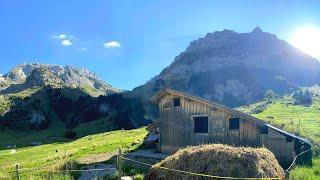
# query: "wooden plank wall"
[[177, 128]]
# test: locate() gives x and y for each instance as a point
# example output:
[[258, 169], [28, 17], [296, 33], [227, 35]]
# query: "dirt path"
[[148, 153], [97, 158], [95, 161]]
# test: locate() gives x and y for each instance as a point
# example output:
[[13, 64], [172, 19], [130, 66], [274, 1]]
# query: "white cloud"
[[65, 39], [112, 44], [60, 36], [66, 42]]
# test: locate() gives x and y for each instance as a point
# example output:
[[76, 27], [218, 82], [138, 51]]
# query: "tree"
[[270, 96], [302, 98]]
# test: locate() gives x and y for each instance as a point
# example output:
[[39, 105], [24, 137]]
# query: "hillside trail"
[[97, 158], [96, 161]]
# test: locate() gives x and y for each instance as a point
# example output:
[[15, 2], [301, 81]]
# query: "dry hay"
[[219, 160]]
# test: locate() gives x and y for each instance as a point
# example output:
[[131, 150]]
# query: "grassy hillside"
[[47, 156], [300, 119], [303, 120]]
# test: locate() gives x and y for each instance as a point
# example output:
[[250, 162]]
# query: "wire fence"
[[295, 158], [119, 169], [192, 173]]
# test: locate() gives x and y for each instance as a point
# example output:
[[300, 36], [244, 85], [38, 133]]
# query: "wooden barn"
[[188, 120]]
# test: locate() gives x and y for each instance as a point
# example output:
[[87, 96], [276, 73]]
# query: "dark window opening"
[[201, 124], [264, 129], [213, 109], [176, 102], [289, 139], [234, 123]]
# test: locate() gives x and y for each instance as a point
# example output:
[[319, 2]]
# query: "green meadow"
[[58, 155], [302, 120]]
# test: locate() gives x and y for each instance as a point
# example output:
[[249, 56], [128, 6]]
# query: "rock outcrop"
[[67, 76], [235, 68]]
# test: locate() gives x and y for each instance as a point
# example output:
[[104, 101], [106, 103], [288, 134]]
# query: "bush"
[[70, 134], [270, 96], [302, 98]]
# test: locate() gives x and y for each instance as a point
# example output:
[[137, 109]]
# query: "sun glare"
[[308, 40]]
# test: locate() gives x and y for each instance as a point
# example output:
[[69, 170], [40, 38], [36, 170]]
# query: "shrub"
[[270, 96], [302, 98], [70, 134]]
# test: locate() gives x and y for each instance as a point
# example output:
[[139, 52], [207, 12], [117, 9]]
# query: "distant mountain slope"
[[66, 76], [235, 68], [36, 96], [288, 113]]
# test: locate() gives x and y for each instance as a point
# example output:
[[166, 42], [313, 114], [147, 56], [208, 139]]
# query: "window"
[[213, 109], [176, 102], [289, 139], [263, 129], [234, 123], [201, 124]]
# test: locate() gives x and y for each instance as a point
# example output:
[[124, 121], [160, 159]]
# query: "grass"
[[298, 119], [301, 120], [55, 133], [93, 127], [307, 173], [51, 154]]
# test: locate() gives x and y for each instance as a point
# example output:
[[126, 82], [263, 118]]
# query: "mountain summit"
[[39, 96], [236, 68], [67, 76]]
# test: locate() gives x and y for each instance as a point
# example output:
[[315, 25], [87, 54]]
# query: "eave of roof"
[[288, 134], [155, 98]]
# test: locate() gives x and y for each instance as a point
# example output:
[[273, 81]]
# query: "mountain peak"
[[236, 68], [257, 30], [36, 74]]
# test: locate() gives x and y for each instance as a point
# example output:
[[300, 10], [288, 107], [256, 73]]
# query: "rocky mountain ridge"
[[36, 74], [235, 68], [37, 96]]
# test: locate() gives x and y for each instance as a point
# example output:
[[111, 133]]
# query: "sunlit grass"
[[51, 154], [307, 173]]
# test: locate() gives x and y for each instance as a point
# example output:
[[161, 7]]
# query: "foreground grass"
[[306, 173], [51, 154]]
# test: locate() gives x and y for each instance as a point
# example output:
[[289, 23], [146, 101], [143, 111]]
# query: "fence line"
[[38, 167], [119, 168], [192, 173], [75, 170], [295, 158]]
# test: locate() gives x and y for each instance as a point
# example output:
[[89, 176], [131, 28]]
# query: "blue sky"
[[128, 42]]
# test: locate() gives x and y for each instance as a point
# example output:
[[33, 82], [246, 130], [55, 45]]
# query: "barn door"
[[217, 130], [276, 145]]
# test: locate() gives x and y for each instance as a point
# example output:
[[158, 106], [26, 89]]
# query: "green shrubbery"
[[302, 98]]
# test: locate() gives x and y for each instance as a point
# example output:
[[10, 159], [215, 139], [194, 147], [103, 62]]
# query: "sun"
[[307, 39]]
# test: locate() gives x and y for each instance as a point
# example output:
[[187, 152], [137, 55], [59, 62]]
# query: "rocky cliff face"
[[66, 76], [235, 68], [33, 96]]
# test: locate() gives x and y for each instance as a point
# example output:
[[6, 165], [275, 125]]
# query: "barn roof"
[[159, 95]]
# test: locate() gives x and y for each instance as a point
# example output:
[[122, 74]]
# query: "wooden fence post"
[[17, 172], [119, 164]]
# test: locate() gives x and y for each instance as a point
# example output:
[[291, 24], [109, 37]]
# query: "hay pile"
[[219, 160]]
